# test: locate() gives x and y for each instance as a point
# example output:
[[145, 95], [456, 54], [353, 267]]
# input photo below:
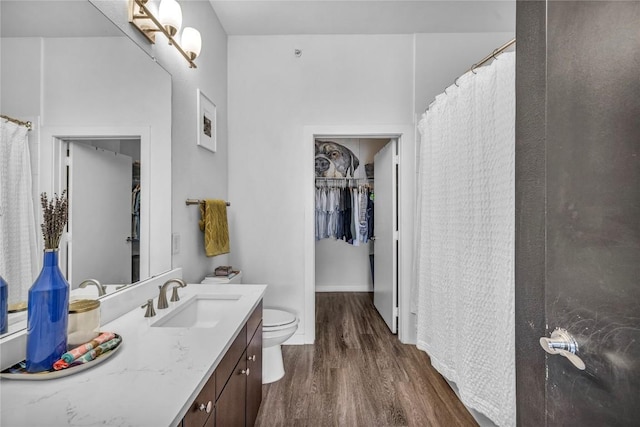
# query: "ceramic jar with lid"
[[84, 321]]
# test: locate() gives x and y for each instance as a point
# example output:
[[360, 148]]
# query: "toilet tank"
[[217, 280]]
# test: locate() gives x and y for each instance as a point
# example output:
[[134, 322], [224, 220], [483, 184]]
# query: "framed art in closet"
[[206, 123]]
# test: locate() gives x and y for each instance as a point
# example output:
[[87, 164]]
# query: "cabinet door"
[[202, 407], [230, 407], [254, 378], [225, 369]]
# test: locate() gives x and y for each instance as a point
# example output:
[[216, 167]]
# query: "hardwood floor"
[[358, 374]]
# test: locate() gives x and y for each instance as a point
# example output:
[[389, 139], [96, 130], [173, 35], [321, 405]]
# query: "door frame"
[[406, 136], [75, 147], [53, 176]]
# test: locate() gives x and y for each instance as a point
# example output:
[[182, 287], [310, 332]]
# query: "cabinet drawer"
[[254, 321], [197, 414], [230, 359]]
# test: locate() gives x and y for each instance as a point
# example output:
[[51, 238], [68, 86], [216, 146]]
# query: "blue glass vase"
[[4, 301], [47, 316]]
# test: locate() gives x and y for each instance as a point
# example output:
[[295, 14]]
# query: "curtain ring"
[[455, 82], [494, 53], [473, 68]]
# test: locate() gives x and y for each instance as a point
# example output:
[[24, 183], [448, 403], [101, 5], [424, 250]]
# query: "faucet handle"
[[149, 306], [174, 295]]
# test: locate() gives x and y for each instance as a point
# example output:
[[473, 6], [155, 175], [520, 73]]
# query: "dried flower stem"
[[55, 214]]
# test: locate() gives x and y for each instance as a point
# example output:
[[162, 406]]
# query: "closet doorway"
[[406, 198], [103, 186], [102, 177], [356, 222]]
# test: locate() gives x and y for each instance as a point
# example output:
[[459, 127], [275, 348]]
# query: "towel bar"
[[198, 201]]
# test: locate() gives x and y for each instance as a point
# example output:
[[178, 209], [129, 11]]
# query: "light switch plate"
[[175, 243]]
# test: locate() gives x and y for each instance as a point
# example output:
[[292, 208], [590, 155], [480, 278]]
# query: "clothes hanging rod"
[[492, 55], [27, 124], [198, 201]]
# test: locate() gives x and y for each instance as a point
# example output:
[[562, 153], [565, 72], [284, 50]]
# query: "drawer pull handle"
[[245, 372], [251, 358], [207, 408]]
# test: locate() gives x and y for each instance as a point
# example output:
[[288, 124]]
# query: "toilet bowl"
[[277, 327]]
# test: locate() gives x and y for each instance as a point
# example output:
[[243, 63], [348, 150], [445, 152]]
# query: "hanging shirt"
[[355, 225]]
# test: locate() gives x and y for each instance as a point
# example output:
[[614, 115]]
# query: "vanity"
[[196, 363]]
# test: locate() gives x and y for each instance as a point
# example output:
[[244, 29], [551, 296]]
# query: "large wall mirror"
[[101, 109]]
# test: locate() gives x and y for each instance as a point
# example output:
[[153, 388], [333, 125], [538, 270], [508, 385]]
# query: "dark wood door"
[[578, 210], [593, 210], [230, 407], [254, 379]]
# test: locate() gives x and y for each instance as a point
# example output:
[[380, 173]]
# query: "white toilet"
[[277, 327]]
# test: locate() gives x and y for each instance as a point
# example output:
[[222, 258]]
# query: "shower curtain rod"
[[492, 55], [16, 121]]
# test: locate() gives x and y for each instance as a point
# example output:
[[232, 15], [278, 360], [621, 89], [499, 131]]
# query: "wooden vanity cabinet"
[[236, 384], [203, 407]]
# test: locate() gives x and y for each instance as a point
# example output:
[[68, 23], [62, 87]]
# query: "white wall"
[[338, 80], [197, 173]]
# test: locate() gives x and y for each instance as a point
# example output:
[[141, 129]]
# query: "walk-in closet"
[[345, 206]]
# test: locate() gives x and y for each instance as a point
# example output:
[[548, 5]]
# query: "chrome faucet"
[[101, 289], [162, 298]]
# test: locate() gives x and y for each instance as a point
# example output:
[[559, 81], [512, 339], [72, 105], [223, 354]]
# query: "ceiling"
[[73, 18], [277, 17]]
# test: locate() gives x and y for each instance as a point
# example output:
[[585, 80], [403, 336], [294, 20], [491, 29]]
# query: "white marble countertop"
[[150, 381]]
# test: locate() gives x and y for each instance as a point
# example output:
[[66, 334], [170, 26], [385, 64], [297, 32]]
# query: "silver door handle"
[[564, 344]]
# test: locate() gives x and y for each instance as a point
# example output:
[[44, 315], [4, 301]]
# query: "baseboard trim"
[[296, 339], [345, 288]]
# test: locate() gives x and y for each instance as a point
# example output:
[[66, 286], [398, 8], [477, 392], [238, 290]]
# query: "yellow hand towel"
[[214, 224]]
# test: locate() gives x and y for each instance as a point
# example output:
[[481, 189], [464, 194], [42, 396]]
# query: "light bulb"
[[191, 42], [170, 16]]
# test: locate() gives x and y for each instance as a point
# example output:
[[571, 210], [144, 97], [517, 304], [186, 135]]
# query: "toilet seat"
[[274, 320]]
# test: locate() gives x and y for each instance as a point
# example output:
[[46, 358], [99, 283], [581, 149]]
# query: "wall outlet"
[[175, 243]]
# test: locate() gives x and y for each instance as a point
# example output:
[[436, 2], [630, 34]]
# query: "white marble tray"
[[49, 375]]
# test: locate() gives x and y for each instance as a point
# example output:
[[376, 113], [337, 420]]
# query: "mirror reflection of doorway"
[[103, 184]]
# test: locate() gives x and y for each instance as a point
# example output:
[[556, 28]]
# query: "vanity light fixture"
[[168, 22], [170, 16]]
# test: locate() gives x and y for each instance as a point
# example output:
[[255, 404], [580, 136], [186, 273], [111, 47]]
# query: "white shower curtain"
[[18, 244], [465, 261]]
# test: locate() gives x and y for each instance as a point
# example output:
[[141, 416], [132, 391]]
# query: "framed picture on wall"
[[207, 126]]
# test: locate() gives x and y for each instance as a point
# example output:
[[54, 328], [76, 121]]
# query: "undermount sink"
[[201, 311]]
